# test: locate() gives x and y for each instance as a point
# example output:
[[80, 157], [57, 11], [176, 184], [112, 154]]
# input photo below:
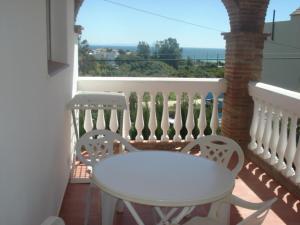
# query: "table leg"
[[108, 205], [220, 211]]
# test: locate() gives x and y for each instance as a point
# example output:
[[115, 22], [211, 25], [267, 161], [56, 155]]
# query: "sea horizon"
[[191, 52]]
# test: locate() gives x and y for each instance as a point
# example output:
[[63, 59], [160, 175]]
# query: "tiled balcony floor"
[[252, 184]]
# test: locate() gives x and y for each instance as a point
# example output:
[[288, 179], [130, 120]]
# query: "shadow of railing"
[[287, 207]]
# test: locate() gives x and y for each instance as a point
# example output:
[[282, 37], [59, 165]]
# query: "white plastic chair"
[[219, 149], [94, 146], [255, 218], [53, 220]]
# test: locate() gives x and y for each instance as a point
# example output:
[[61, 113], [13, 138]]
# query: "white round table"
[[160, 178]]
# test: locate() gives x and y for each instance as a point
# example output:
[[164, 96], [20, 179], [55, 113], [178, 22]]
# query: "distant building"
[[106, 54], [281, 64]]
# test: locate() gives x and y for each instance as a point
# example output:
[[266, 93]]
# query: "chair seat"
[[202, 221]]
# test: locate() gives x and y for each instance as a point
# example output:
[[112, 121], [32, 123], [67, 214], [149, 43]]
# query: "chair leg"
[[120, 206], [88, 205], [108, 205]]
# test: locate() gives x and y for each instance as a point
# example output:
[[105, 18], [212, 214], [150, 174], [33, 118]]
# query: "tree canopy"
[[143, 50], [168, 51]]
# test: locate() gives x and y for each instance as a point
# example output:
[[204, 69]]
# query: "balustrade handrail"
[[148, 84], [280, 98]]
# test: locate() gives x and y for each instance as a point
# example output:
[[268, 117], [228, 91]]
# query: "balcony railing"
[[275, 128], [194, 89]]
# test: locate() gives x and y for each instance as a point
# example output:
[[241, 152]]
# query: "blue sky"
[[110, 24]]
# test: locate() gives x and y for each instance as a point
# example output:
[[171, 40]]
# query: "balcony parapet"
[[275, 128], [193, 88]]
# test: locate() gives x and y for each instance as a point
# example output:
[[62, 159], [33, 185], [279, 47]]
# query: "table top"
[[161, 178]]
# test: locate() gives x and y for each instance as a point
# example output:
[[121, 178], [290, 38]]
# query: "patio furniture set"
[[171, 182]]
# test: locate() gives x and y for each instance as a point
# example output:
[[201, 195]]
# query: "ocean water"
[[193, 53]]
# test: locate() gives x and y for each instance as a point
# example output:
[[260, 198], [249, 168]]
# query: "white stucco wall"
[[280, 67], [35, 125]]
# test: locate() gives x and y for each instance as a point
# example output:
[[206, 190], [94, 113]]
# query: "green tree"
[[87, 62], [143, 50], [168, 51]]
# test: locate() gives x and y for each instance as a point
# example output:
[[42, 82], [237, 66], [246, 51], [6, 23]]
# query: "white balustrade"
[[126, 119], [139, 122], [194, 87], [152, 118], [178, 119], [88, 120], [214, 122], [274, 127], [190, 118], [165, 117], [202, 116]]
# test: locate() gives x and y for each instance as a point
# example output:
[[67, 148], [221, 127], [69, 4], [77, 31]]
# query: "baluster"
[[267, 133], [126, 118], [274, 137], [202, 117], [282, 142], [178, 118], [152, 117], [214, 122], [139, 122], [260, 129], [190, 118], [100, 124], [296, 178], [291, 148], [88, 121], [253, 145], [113, 122], [165, 118]]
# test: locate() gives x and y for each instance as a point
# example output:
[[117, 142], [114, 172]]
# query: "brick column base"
[[244, 51]]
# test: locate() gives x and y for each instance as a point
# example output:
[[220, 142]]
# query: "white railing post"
[[291, 148], [260, 129], [139, 122], [113, 122], [296, 177], [274, 137], [267, 132], [282, 142], [214, 122], [88, 120], [165, 118], [152, 118], [253, 129], [190, 124], [126, 118], [202, 116], [178, 118], [100, 124]]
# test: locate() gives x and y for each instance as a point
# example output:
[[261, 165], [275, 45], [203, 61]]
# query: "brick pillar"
[[244, 49], [243, 63]]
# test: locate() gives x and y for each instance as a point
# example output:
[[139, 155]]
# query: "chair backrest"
[[219, 149], [53, 220], [98, 144], [259, 215]]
